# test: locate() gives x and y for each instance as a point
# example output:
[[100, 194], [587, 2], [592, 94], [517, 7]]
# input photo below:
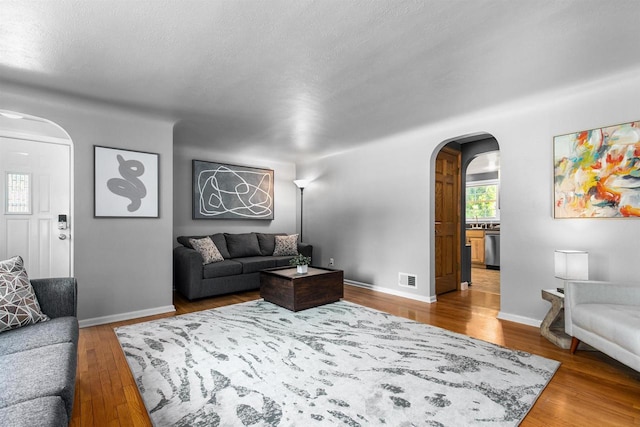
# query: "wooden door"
[[447, 221]]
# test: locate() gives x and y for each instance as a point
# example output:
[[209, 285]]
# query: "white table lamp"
[[571, 265]]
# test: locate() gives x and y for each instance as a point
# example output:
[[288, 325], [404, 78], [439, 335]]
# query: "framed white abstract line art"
[[223, 191], [126, 183]]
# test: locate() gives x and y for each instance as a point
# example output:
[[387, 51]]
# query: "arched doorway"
[[482, 221], [36, 181], [468, 147]]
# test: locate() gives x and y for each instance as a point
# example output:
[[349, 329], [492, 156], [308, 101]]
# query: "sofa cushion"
[[267, 242], [286, 245], [242, 245], [615, 322], [18, 303], [42, 412], [40, 372], [221, 269], [184, 240], [254, 264], [56, 331], [218, 240], [221, 244], [207, 249]]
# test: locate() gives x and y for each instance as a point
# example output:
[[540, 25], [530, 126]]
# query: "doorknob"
[[62, 236]]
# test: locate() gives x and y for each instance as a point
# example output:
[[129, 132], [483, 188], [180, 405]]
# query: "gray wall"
[[372, 208], [123, 266], [368, 209]]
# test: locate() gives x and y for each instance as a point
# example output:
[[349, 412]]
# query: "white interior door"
[[29, 220]]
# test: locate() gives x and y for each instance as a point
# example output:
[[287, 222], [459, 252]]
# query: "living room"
[[369, 206]]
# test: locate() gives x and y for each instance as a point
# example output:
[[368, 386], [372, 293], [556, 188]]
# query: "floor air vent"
[[408, 280]]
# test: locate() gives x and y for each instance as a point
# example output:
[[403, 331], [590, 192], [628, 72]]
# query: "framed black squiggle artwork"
[[126, 183], [223, 191]]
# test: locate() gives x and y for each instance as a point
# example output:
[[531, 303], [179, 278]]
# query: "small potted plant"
[[301, 262]]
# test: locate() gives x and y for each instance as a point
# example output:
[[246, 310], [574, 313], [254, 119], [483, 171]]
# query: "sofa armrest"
[[187, 272], [305, 249], [58, 297], [597, 292]]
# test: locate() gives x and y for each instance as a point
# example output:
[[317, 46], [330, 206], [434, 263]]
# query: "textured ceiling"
[[298, 77]]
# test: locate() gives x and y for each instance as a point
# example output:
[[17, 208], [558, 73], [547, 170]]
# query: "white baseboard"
[[391, 291], [126, 316], [519, 319]]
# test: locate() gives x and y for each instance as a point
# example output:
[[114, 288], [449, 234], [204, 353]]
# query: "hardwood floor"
[[589, 388], [485, 280]]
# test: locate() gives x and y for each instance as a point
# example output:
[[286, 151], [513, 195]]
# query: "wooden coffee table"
[[285, 287]]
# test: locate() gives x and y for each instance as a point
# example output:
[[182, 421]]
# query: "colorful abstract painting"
[[597, 173]]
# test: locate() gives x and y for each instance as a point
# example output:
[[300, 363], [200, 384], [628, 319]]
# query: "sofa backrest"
[[242, 245], [267, 242], [239, 245]]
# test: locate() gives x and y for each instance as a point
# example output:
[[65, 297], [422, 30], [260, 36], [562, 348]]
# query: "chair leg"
[[574, 344]]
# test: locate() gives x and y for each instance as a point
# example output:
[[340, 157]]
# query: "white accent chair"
[[605, 315]]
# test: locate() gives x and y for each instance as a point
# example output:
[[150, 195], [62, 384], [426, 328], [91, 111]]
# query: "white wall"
[[364, 208], [123, 266], [371, 209], [284, 194]]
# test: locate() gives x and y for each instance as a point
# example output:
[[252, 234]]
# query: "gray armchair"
[[605, 315]]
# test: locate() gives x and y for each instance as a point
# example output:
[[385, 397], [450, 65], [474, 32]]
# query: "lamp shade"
[[301, 183], [572, 265]]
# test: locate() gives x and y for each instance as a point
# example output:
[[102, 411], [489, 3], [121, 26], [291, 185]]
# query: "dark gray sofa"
[[38, 362], [244, 256]]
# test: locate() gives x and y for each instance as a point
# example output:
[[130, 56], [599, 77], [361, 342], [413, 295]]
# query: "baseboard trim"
[[519, 319], [395, 292], [126, 316]]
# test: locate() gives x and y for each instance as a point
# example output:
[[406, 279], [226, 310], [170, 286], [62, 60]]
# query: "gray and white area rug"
[[257, 364]]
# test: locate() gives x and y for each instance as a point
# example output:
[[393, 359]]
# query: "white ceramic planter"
[[302, 269]]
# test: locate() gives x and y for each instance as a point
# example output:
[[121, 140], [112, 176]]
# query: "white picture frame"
[[126, 183]]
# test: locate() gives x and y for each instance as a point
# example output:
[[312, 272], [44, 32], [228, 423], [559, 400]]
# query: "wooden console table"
[[552, 327]]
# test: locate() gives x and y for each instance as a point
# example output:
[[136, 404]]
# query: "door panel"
[[44, 255], [447, 219], [35, 236], [17, 231]]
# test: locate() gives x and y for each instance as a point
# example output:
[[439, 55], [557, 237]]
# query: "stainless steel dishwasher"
[[492, 249]]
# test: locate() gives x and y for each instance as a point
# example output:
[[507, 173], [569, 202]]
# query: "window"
[[482, 200], [18, 193]]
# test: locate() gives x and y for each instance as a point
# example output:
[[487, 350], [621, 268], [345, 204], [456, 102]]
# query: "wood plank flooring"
[[485, 280], [589, 388]]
